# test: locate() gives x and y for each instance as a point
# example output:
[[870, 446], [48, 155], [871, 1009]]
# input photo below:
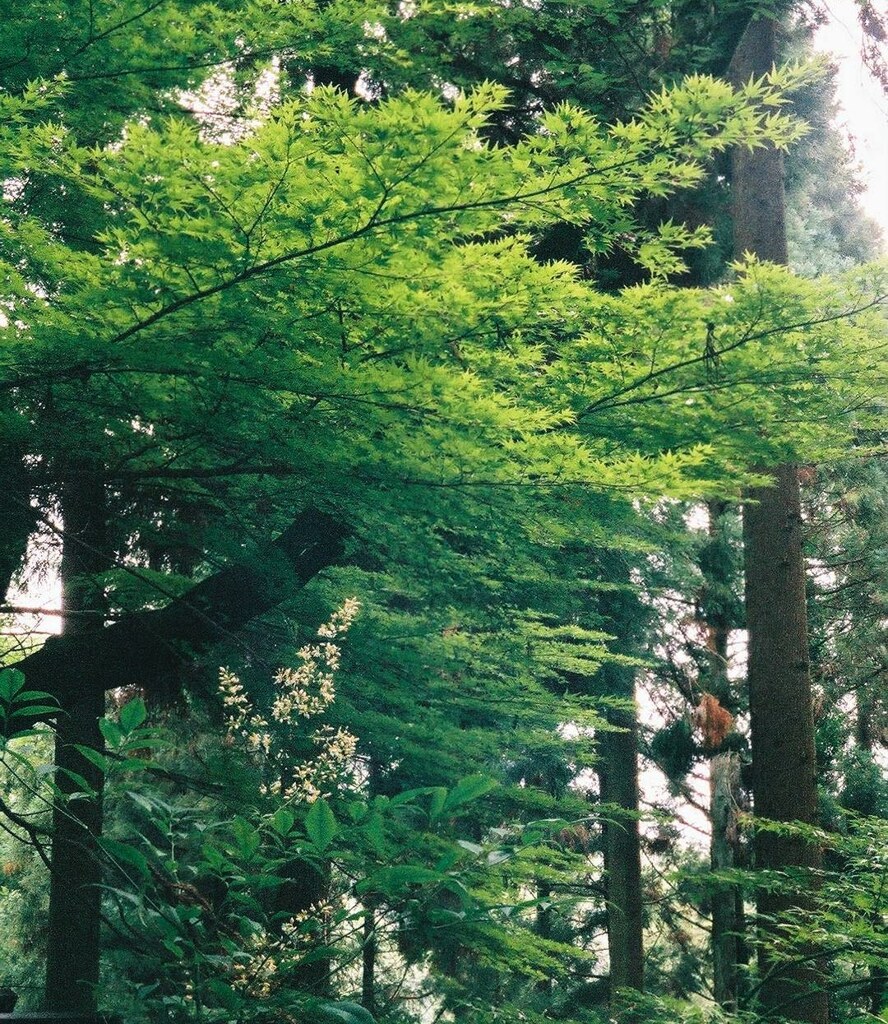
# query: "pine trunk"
[[781, 710], [727, 905], [784, 779], [617, 772], [618, 783], [368, 960]]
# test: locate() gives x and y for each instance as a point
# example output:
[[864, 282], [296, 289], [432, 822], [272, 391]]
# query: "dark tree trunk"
[[724, 767], [865, 737], [618, 783], [781, 710], [617, 772], [370, 947], [368, 960], [784, 781], [145, 648], [727, 905], [757, 190], [73, 946], [17, 517]]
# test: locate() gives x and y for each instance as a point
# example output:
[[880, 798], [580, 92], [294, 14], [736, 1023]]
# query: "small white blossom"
[[302, 692]]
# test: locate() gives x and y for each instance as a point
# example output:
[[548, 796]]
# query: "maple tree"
[[330, 318]]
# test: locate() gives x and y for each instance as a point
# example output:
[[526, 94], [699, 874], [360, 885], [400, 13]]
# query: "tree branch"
[[148, 648]]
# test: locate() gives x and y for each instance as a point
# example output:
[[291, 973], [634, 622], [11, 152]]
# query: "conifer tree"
[[780, 698], [347, 304]]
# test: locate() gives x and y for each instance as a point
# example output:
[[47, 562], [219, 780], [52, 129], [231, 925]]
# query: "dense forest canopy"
[[424, 409]]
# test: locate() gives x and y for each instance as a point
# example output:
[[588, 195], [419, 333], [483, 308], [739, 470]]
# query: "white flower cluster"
[[295, 685], [243, 721], [319, 911], [253, 974], [319, 776], [341, 620], [302, 692]]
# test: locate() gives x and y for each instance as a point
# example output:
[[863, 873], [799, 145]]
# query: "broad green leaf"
[[30, 710], [320, 824], [85, 789], [345, 1013], [374, 830], [228, 998], [11, 682], [437, 803], [133, 714], [111, 731], [283, 820], [99, 760], [40, 696], [247, 837], [125, 854], [470, 788]]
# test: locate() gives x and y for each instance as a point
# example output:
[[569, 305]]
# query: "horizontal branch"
[[148, 648], [610, 400]]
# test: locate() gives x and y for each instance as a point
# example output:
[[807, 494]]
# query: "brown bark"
[[781, 710], [784, 781], [618, 784], [727, 906], [757, 189], [617, 771]]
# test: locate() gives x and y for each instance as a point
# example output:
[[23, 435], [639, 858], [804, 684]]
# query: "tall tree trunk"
[[784, 782], [73, 950], [724, 767], [618, 784], [727, 905], [617, 772], [781, 710], [368, 959], [17, 517], [81, 664], [864, 735], [370, 947]]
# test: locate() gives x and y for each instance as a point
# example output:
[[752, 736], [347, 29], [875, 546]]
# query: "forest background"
[[413, 362]]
